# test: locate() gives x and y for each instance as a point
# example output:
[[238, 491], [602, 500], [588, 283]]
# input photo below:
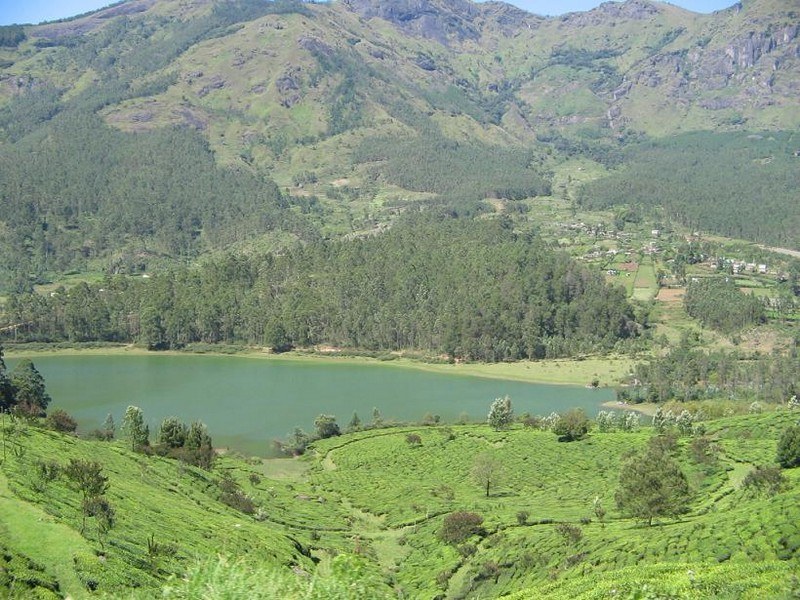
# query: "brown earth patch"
[[670, 294]]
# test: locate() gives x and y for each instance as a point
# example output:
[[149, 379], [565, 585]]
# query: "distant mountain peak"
[[441, 20]]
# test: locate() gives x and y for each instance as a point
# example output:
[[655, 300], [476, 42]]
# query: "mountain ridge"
[[317, 98]]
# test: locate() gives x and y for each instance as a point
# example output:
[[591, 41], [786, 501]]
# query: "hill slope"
[[352, 108], [381, 496]]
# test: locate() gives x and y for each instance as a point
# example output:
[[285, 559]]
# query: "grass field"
[[645, 285]]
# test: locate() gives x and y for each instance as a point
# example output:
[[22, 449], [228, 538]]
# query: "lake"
[[247, 402]]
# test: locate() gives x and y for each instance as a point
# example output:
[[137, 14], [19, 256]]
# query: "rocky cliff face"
[[490, 69]]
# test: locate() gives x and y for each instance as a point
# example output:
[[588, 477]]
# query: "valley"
[[433, 299]]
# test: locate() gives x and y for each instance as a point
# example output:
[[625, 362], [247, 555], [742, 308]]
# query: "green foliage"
[[720, 305], [371, 492], [687, 374], [122, 193], [457, 172], [28, 385], [501, 414], [190, 444], [6, 388], [88, 479], [11, 36], [767, 479], [694, 176], [61, 420], [172, 433], [652, 485], [109, 428], [789, 447], [326, 426], [459, 526], [487, 471], [21, 577], [232, 495], [345, 577], [413, 440], [468, 289], [135, 429], [573, 425]]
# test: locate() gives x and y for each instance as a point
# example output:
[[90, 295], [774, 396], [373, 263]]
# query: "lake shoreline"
[[645, 408], [568, 372]]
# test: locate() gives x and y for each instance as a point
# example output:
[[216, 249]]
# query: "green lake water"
[[248, 402]]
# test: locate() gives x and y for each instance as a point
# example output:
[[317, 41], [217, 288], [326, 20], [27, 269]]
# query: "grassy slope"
[[370, 493], [408, 489], [153, 498]]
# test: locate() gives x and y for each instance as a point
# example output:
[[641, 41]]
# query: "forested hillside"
[[149, 133], [737, 184], [78, 189], [467, 289]]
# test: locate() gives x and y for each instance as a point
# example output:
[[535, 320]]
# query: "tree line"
[[466, 289], [721, 305], [738, 184], [687, 373]]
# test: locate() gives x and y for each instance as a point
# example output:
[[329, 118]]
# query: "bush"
[[459, 526], [413, 440], [501, 414], [60, 420], [789, 448], [572, 426], [572, 534], [764, 479]]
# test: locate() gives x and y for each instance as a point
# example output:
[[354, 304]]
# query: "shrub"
[[522, 517], [703, 451], [789, 448], [234, 497], [764, 479], [466, 550], [572, 426], [531, 421], [413, 440], [501, 415], [572, 534], [459, 526], [61, 420]]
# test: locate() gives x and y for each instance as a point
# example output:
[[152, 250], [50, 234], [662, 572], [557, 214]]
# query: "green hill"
[[149, 133], [379, 498]]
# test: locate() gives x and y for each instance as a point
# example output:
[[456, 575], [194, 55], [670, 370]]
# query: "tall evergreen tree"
[[652, 485], [30, 394], [135, 429]]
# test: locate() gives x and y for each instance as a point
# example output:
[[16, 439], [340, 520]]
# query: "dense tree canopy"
[[652, 485], [471, 289], [720, 305], [738, 184]]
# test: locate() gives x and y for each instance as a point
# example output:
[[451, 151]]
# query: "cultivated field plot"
[[645, 286], [409, 488]]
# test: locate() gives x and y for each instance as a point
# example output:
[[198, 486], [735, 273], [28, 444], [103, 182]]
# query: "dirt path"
[[786, 251]]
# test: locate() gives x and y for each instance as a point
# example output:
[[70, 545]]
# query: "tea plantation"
[[404, 512]]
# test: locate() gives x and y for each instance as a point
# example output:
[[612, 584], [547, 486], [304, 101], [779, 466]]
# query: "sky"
[[36, 11]]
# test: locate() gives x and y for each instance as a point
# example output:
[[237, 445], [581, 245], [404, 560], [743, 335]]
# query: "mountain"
[[353, 108]]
